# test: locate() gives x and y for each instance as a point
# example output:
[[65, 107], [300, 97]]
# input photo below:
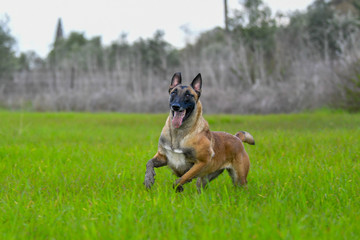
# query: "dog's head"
[[183, 99]]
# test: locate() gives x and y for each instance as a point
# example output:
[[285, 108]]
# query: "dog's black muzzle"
[[176, 107]]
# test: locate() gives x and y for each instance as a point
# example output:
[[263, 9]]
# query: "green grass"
[[79, 176]]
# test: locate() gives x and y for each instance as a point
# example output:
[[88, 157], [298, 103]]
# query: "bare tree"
[[226, 16]]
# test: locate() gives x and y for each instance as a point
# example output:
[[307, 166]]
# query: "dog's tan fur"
[[193, 151]]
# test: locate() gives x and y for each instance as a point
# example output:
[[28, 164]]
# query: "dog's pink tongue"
[[177, 119]]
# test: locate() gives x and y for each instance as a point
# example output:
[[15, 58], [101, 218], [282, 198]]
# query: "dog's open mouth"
[[178, 117]]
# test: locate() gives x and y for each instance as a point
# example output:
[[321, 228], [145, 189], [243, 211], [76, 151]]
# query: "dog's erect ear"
[[176, 80], [196, 84]]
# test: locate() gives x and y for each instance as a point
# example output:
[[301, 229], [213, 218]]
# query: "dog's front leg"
[[158, 160], [188, 176]]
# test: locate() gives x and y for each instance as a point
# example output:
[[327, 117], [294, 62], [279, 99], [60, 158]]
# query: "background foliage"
[[263, 63]]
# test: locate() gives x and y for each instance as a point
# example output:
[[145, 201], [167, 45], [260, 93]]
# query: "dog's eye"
[[173, 93], [187, 97]]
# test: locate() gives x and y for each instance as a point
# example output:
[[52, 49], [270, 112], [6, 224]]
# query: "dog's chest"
[[177, 159]]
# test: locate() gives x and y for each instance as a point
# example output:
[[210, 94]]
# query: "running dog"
[[190, 149]]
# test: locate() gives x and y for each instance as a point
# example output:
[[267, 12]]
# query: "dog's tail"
[[245, 137]]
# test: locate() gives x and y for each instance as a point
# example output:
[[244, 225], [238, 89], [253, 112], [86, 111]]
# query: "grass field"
[[79, 176]]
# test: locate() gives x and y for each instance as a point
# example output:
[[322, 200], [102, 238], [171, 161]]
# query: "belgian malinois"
[[190, 149]]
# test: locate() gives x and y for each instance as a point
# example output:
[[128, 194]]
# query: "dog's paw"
[[149, 179], [148, 183], [177, 187]]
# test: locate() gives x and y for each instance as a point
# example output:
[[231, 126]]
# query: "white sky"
[[33, 22]]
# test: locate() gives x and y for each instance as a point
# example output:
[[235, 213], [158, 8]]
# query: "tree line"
[[260, 63]]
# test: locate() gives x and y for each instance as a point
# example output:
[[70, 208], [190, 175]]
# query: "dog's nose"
[[175, 107]]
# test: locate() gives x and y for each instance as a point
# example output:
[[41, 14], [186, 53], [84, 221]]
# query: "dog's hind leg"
[[240, 169], [232, 174], [236, 178], [203, 181]]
